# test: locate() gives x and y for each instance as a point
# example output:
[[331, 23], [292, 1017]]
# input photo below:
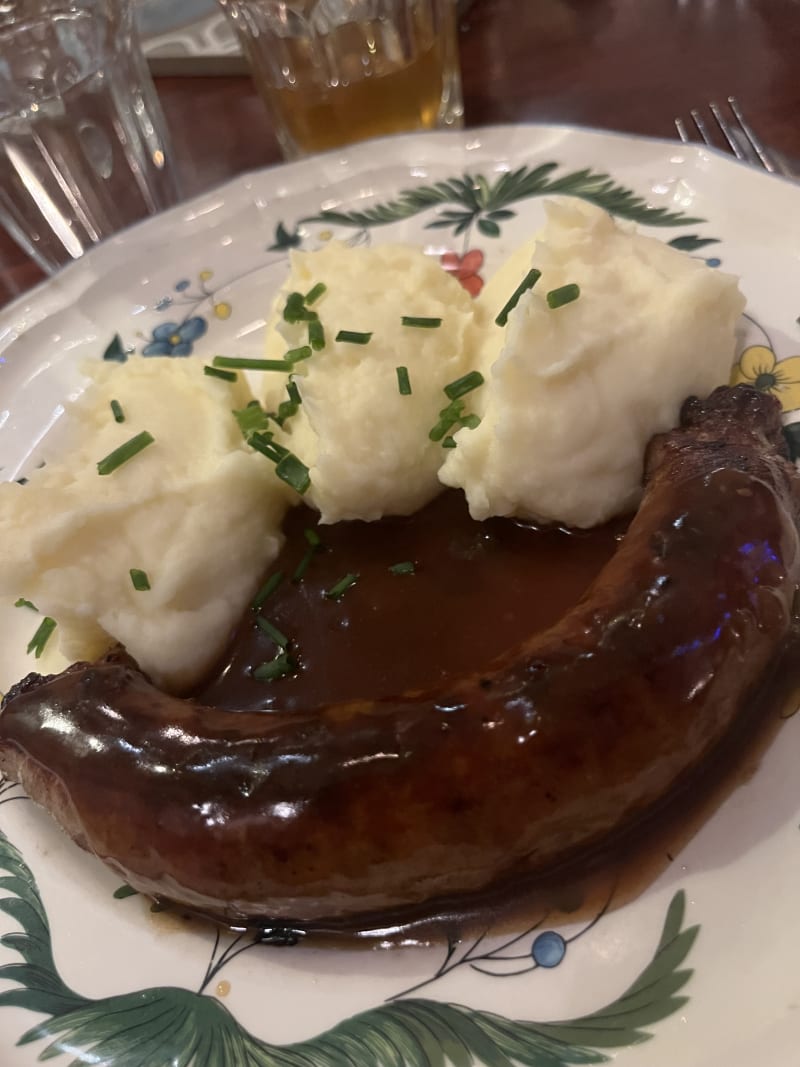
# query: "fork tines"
[[737, 131]]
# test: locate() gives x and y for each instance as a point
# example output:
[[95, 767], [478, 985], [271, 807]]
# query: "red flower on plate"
[[465, 268]]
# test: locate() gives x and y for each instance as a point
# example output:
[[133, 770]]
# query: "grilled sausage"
[[359, 809]]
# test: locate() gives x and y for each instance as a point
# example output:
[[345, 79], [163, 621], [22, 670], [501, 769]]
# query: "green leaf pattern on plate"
[[487, 203], [173, 1027]]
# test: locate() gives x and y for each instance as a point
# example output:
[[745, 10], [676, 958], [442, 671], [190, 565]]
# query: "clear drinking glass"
[[336, 71], [83, 147]]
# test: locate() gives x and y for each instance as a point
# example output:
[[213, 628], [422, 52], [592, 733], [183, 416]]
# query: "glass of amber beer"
[[336, 71]]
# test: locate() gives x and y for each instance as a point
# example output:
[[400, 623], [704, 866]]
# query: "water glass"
[[336, 71], [83, 147]]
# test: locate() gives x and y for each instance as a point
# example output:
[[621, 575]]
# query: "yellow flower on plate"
[[759, 367], [204, 275], [222, 310]]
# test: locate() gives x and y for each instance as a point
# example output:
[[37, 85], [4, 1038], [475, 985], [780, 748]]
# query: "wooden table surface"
[[628, 65]]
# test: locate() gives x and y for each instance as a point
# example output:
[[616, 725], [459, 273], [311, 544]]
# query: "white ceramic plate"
[[124, 987]]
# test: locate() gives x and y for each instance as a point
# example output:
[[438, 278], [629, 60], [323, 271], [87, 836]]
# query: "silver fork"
[[739, 134]]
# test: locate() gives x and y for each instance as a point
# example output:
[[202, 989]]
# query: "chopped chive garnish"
[[294, 472], [302, 566], [423, 324], [406, 567], [403, 381], [281, 640], [316, 292], [125, 891], [275, 668], [352, 337], [42, 636], [216, 372], [463, 385], [453, 416], [263, 443], [557, 298], [267, 589], [341, 586], [314, 545], [316, 335], [125, 452], [141, 583], [117, 412], [528, 282], [294, 392], [295, 309], [286, 409], [287, 466], [295, 355], [251, 419], [448, 417], [294, 304], [23, 603], [251, 364]]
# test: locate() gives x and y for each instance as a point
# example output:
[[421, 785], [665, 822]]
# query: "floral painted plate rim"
[[88, 975]]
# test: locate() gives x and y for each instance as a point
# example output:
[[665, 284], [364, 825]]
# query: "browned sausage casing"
[[356, 810]]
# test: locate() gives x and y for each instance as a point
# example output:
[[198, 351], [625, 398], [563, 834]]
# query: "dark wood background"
[[628, 65]]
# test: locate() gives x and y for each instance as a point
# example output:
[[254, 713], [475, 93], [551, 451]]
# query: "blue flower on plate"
[[175, 338]]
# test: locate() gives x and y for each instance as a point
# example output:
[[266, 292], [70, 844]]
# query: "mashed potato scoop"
[[366, 442], [574, 393], [196, 512]]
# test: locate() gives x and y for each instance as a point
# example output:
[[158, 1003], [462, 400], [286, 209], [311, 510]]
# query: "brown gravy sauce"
[[477, 589]]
